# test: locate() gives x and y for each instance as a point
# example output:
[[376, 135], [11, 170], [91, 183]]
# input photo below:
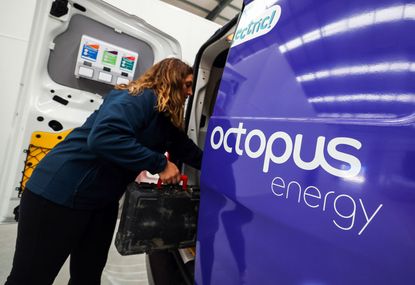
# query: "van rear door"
[[77, 52]]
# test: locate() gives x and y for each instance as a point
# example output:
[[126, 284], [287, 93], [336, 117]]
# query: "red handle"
[[182, 178]]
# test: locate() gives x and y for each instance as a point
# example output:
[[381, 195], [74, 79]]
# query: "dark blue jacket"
[[93, 165]]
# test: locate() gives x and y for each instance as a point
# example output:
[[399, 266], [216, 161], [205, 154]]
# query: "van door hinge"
[[59, 8]]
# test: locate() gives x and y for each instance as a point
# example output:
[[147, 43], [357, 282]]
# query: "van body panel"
[[307, 175]]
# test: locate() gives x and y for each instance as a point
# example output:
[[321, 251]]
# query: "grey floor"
[[120, 270]]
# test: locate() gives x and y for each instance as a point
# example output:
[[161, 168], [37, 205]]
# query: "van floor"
[[120, 270]]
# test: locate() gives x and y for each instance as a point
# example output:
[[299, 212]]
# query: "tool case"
[[157, 217]]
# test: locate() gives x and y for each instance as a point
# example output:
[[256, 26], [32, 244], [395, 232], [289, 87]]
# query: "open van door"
[[77, 52]]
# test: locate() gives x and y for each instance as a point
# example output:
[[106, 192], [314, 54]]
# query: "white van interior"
[[55, 95], [209, 66]]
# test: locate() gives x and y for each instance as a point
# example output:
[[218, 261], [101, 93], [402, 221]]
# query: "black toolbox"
[[157, 217]]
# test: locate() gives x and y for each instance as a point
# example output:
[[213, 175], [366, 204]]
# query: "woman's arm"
[[183, 148], [112, 136]]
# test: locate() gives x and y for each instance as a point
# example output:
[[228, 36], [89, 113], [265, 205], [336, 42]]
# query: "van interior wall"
[[212, 89], [63, 57]]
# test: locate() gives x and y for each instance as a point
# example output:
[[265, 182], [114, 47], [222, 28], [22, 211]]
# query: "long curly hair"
[[166, 79]]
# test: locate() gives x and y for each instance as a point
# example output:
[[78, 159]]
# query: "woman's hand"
[[170, 174]]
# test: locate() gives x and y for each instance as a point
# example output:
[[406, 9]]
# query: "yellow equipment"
[[40, 144]]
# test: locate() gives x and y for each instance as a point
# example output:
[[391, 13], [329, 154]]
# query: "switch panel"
[[105, 77], [86, 72], [121, 80]]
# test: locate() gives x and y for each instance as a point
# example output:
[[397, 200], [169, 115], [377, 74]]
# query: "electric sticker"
[[110, 57], [256, 20], [90, 51], [127, 62]]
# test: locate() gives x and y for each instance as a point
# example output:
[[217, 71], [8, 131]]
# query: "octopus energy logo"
[[291, 147], [348, 212]]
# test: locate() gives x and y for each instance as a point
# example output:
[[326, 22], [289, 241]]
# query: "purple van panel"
[[308, 173]]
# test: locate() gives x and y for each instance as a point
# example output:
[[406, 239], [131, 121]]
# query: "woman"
[[70, 204]]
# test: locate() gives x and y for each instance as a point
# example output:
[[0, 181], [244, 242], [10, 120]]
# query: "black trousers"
[[48, 233]]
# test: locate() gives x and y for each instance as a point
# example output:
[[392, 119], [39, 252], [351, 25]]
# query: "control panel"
[[104, 62]]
